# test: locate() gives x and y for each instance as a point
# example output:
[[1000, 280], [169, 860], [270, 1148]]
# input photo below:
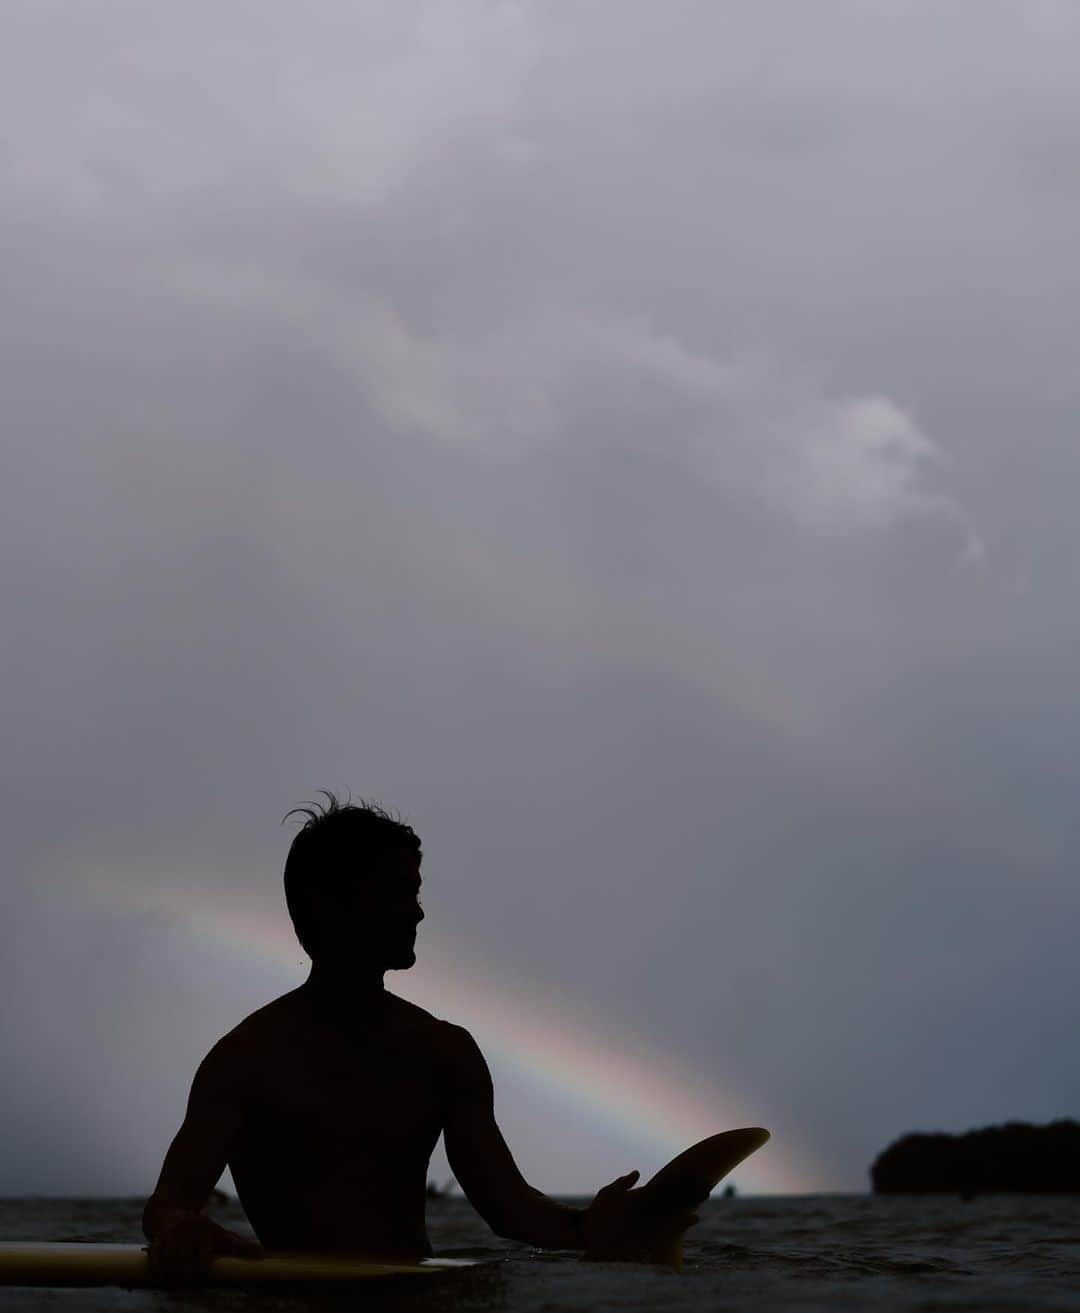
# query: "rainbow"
[[563, 1052]]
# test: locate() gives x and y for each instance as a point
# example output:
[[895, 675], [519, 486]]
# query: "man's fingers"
[[614, 1189], [173, 1264], [228, 1242], [246, 1248], [673, 1226], [622, 1182], [185, 1253]]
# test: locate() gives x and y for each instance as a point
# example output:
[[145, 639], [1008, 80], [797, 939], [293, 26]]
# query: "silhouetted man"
[[327, 1103]]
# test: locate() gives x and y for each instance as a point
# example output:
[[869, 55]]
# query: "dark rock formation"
[[1016, 1158]]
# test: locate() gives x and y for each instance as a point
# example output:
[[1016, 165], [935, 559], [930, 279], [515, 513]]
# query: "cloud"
[[743, 425], [160, 112], [863, 462]]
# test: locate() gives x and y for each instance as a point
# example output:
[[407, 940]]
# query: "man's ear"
[[321, 902], [323, 910]]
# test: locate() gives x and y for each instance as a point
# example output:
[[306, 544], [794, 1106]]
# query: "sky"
[[637, 443]]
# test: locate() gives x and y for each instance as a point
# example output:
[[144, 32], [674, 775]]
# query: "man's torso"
[[341, 1114]]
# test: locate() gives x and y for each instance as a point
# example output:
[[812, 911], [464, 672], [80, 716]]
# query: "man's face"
[[374, 923]]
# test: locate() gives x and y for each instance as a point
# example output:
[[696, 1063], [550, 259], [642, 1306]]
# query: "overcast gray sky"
[[638, 442]]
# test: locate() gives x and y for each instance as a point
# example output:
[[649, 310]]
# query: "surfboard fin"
[[669, 1253]]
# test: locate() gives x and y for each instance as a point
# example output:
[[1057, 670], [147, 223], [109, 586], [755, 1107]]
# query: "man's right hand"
[[623, 1224], [186, 1245]]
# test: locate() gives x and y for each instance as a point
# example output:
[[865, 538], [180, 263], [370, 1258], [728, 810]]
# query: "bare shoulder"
[[449, 1040], [417, 1021], [461, 1047], [258, 1034]]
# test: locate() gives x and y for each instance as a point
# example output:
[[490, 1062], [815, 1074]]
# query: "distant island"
[[1016, 1158]]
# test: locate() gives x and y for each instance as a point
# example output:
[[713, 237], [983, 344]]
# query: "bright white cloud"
[[864, 462]]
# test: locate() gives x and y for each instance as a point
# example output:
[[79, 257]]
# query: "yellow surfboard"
[[75, 1263]]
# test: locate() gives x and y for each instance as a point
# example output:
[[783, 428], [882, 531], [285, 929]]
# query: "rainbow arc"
[[642, 1091]]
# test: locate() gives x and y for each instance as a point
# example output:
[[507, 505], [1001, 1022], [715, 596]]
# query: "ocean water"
[[766, 1254]]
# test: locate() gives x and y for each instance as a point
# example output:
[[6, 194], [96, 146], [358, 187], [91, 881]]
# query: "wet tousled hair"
[[334, 848]]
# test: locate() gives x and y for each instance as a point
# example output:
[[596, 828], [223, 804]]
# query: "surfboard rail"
[[83, 1263]]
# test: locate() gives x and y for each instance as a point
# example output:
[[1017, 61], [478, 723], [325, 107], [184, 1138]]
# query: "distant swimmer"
[[326, 1104]]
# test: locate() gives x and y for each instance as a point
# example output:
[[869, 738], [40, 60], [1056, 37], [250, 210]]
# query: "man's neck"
[[336, 990]]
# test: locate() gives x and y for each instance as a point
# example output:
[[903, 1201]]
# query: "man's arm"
[[183, 1240], [486, 1171]]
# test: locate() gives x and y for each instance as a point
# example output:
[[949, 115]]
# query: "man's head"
[[352, 882]]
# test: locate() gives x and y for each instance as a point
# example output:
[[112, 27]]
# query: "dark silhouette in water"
[[327, 1103], [1016, 1158]]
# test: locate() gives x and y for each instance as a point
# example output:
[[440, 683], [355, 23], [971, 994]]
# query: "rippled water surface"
[[764, 1254]]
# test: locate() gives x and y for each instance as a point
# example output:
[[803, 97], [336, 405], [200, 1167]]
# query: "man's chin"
[[402, 963]]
